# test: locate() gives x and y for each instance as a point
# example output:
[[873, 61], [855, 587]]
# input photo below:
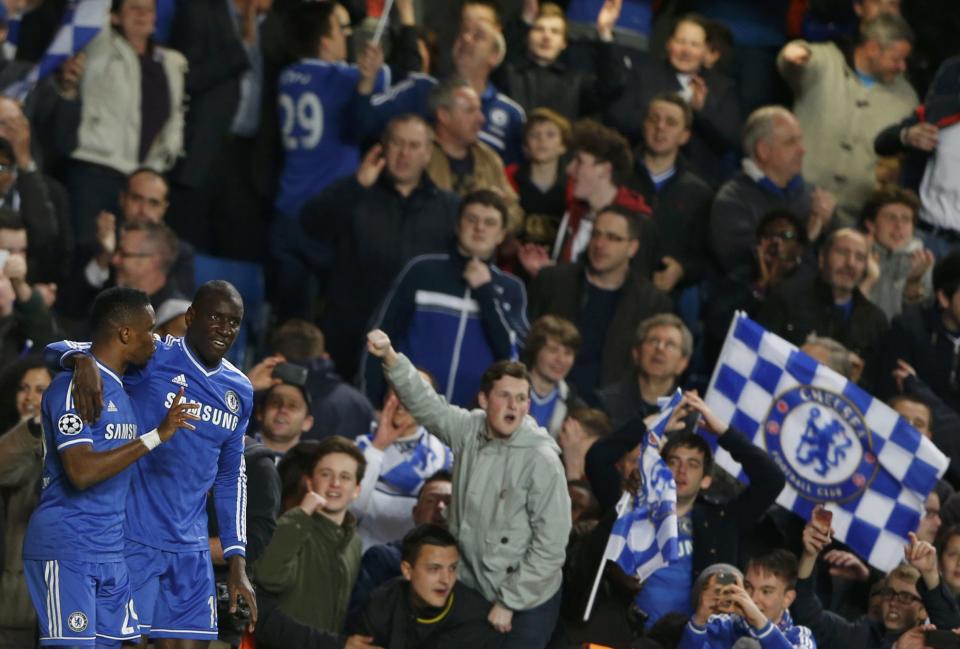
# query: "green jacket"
[[311, 564], [510, 509]]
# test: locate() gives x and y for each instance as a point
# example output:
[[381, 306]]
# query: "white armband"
[[151, 440]]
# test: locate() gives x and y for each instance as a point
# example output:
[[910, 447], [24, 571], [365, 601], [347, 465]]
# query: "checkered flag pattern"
[[644, 536], [751, 390], [82, 21]]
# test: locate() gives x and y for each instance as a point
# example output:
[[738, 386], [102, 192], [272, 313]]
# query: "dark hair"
[[676, 100], [720, 39], [426, 534], [943, 538], [6, 149], [298, 340], [782, 215], [501, 369], [338, 444], [902, 398], [307, 23], [488, 198], [161, 238], [889, 195], [432, 43], [628, 215], [686, 439], [115, 307], [606, 145], [550, 326], [10, 378], [441, 475], [216, 288], [307, 399], [780, 563], [295, 464], [946, 275]]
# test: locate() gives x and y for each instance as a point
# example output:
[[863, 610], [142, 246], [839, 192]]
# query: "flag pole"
[[621, 506], [382, 23]]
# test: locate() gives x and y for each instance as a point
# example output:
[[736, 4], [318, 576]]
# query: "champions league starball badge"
[[821, 443]]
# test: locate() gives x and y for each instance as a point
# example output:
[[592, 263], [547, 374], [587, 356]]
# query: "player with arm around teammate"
[[73, 549], [165, 532]]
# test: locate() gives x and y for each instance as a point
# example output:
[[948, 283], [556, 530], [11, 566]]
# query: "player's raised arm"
[[85, 467]]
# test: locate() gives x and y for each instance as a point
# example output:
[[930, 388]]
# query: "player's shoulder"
[[233, 374]]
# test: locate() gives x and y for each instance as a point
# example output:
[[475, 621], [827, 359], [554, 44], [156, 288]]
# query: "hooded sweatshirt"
[[510, 508]]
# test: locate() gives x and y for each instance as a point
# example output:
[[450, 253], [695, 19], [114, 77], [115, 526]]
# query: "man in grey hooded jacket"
[[510, 509]]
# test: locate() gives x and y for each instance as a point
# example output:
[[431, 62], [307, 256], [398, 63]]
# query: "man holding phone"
[[730, 607]]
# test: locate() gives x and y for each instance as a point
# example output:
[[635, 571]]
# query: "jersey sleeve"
[[55, 354], [67, 428], [230, 492]]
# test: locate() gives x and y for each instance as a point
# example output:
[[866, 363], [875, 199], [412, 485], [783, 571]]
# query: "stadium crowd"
[[423, 273]]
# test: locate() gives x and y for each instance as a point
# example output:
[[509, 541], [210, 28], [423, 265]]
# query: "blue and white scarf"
[[407, 463]]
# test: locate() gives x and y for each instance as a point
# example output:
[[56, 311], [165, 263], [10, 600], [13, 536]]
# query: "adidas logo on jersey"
[[180, 380], [111, 407]]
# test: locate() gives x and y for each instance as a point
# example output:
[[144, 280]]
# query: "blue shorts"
[[175, 592], [80, 603]]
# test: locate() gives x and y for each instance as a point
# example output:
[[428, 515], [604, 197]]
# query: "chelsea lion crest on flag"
[[836, 444]]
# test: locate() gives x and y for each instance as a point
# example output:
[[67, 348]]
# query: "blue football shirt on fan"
[[313, 96]]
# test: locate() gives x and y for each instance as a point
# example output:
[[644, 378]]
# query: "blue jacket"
[[722, 631], [445, 327]]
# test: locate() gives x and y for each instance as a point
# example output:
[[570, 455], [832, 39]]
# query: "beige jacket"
[[840, 118], [488, 173], [110, 119]]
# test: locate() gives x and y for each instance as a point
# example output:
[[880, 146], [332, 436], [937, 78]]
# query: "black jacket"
[[801, 306], [622, 401], [681, 213], [736, 212], [919, 337], [716, 128], [338, 408], [569, 92], [395, 624], [719, 527], [373, 232], [561, 290]]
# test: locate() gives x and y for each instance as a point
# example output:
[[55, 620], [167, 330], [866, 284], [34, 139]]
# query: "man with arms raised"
[[167, 547], [513, 544], [73, 549]]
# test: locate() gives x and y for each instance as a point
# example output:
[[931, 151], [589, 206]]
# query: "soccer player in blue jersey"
[[166, 541], [73, 549]]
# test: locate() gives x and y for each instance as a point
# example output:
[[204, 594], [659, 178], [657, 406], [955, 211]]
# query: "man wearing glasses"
[[604, 297], [143, 203], [661, 352], [902, 606]]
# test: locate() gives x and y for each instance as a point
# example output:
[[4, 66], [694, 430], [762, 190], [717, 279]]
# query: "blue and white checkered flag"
[[82, 21], [644, 536], [835, 443]]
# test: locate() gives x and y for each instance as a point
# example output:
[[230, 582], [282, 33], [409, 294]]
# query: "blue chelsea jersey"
[[167, 504], [68, 523], [313, 96]]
